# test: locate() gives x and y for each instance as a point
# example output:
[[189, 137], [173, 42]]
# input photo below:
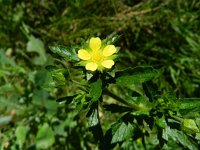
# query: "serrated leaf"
[[44, 79], [58, 75], [197, 136], [93, 117], [165, 133], [121, 131], [94, 123], [197, 121], [136, 75], [45, 137], [161, 122], [192, 104], [96, 89], [189, 126], [36, 45], [189, 106], [20, 133], [66, 52], [183, 139]]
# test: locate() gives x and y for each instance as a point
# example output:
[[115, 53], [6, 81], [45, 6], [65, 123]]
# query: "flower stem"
[[119, 99]]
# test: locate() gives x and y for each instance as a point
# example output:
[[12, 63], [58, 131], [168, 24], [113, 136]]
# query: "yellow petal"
[[91, 66], [95, 43], [108, 63], [83, 54], [109, 50]]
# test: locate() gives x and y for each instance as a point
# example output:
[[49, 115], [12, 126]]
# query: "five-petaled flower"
[[97, 56]]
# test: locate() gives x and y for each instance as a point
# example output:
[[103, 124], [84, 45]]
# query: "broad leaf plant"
[[142, 115]]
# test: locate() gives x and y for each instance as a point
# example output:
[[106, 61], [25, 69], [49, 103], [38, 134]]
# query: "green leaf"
[[121, 131], [190, 103], [93, 117], [161, 122], [41, 98], [20, 133], [36, 45], [45, 137], [135, 75], [189, 126], [66, 52], [183, 139], [6, 88], [43, 78], [165, 133], [197, 136], [4, 60], [197, 121], [58, 75], [94, 123], [96, 89]]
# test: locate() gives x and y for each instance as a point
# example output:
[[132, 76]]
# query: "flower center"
[[97, 56]]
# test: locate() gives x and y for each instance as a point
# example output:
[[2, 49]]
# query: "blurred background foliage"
[[160, 33]]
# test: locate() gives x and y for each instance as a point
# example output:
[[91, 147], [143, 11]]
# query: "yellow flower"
[[97, 56]]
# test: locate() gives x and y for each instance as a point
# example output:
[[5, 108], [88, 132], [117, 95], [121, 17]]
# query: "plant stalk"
[[119, 99]]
